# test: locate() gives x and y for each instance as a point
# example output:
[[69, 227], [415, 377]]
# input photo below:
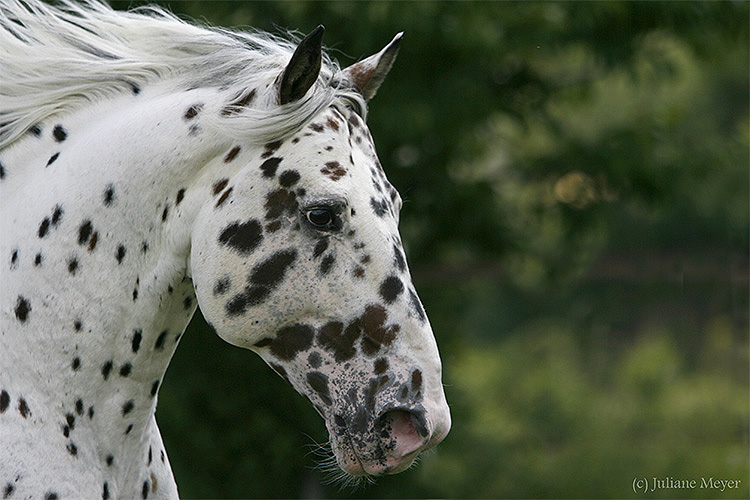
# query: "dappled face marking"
[[243, 237], [307, 268], [264, 278]]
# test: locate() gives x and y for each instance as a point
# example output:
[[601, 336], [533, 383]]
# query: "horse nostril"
[[406, 428]]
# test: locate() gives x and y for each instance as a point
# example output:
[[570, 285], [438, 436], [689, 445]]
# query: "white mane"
[[56, 59]]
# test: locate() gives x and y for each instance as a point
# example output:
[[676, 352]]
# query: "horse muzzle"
[[389, 443]]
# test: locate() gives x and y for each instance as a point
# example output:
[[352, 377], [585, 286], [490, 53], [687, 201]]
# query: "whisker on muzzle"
[[333, 475]]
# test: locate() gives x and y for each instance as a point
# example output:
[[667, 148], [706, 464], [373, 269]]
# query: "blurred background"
[[576, 221]]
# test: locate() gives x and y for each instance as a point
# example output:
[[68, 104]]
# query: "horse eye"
[[321, 218]]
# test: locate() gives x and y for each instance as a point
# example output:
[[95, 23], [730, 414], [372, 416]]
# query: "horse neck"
[[130, 178]]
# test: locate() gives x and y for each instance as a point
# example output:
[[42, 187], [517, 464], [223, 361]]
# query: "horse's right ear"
[[368, 74], [303, 68]]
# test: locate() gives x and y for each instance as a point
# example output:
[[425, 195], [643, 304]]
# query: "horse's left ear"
[[303, 68], [368, 74]]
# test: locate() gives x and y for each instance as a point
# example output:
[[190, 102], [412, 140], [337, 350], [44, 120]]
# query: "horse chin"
[[351, 463], [357, 467]]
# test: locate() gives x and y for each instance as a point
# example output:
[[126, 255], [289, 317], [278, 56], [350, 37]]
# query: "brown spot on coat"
[[192, 111], [223, 197], [232, 154], [333, 170], [219, 186], [292, 340]]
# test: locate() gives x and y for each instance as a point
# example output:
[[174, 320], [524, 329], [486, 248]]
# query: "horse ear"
[[303, 68], [368, 74]]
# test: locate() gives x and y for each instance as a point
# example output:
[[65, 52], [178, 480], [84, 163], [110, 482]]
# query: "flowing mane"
[[57, 59]]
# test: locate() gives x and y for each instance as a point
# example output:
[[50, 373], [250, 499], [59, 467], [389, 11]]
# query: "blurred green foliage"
[[576, 219]]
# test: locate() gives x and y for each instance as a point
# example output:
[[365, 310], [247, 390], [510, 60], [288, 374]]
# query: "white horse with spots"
[[147, 167]]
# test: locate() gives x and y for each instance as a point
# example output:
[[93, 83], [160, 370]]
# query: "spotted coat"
[[121, 218]]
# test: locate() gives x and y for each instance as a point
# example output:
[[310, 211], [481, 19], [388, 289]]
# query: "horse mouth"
[[399, 437], [352, 464]]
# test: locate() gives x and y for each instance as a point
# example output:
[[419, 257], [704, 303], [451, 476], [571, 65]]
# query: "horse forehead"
[[336, 148], [328, 131]]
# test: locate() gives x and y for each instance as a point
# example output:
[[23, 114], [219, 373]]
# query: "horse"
[[149, 166]]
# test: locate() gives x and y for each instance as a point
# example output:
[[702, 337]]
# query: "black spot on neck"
[[135, 344], [127, 407], [52, 159], [84, 232], [57, 215], [120, 254], [59, 133], [107, 369], [4, 400], [269, 167], [126, 369], [72, 265], [22, 309], [43, 228], [23, 408], [109, 195], [159, 344]]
